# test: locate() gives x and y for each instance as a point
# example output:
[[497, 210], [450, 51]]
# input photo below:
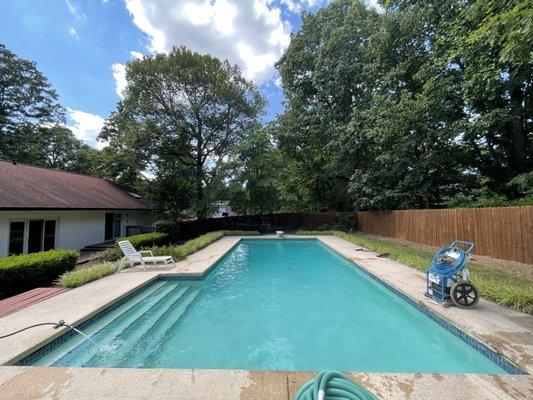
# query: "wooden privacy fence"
[[501, 232]]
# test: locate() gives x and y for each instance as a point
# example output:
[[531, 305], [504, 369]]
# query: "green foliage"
[[111, 254], [490, 42], [32, 122], [240, 233], [27, 104], [475, 200], [181, 110], [28, 271], [82, 276], [493, 284], [146, 239], [253, 172], [411, 108], [322, 71], [119, 164]]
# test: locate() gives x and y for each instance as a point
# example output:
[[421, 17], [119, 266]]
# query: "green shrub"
[[146, 239], [240, 233], [28, 271], [165, 226], [174, 251], [82, 276], [111, 254]]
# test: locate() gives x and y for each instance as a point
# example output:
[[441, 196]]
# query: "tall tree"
[[491, 45], [27, 104], [323, 74], [402, 140], [253, 174], [410, 107], [184, 106]]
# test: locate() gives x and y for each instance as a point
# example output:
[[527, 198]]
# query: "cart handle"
[[470, 245]]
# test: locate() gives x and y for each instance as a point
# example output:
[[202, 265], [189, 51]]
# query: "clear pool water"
[[272, 305]]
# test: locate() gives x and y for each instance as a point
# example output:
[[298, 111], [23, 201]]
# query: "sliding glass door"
[[32, 236]]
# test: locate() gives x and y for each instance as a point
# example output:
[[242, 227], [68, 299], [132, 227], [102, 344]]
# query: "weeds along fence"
[[501, 232]]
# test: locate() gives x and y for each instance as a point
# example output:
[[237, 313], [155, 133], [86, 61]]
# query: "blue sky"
[[83, 45]]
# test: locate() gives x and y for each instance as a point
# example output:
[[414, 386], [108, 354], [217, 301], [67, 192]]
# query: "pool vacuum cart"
[[448, 278]]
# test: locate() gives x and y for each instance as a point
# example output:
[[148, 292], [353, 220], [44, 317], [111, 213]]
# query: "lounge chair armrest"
[[146, 251]]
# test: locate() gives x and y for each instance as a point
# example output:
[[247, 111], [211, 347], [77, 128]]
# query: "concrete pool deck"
[[505, 331]]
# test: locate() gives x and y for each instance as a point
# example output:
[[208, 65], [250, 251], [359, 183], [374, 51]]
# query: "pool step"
[[95, 327], [127, 334], [115, 321], [155, 337]]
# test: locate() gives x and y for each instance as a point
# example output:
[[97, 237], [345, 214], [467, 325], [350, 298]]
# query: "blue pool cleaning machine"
[[448, 278]]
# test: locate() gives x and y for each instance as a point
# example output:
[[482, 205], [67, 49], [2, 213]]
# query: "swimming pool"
[[284, 304]]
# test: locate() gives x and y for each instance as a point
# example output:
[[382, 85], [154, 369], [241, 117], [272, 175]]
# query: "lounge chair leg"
[[121, 264]]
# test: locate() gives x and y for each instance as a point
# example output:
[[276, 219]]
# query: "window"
[[16, 237], [32, 236]]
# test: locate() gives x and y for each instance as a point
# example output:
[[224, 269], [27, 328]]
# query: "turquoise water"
[[272, 305]]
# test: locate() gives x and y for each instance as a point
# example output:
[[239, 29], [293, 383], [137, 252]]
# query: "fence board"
[[502, 232]]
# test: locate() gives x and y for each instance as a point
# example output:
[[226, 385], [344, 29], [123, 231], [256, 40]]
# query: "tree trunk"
[[202, 211], [517, 131]]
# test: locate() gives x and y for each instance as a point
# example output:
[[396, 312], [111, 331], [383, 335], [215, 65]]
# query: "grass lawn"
[[500, 286]]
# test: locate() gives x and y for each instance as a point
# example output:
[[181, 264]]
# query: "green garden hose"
[[331, 385]]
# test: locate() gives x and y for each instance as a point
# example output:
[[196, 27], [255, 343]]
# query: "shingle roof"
[[28, 187]]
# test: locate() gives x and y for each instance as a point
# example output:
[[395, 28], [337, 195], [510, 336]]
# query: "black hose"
[[55, 325]]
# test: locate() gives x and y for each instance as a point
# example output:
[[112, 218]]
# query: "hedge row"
[[28, 271], [82, 276], [146, 239]]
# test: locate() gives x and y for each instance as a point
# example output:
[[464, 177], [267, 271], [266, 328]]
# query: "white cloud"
[[374, 4], [73, 32], [86, 127], [136, 55], [74, 10], [119, 73], [251, 33]]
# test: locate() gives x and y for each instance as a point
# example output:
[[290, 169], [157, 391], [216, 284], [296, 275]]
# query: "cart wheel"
[[464, 294]]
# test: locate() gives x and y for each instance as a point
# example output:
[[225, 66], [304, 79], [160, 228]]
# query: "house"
[[223, 210], [43, 209]]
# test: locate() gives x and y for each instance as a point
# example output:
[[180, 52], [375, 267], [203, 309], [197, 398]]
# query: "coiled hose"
[[448, 269], [331, 385]]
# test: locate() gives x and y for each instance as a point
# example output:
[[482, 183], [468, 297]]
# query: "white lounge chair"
[[133, 256]]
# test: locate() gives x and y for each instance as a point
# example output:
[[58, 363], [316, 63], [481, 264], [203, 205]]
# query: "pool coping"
[[202, 262]]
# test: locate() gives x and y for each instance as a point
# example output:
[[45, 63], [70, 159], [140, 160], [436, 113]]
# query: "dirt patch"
[[513, 267]]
